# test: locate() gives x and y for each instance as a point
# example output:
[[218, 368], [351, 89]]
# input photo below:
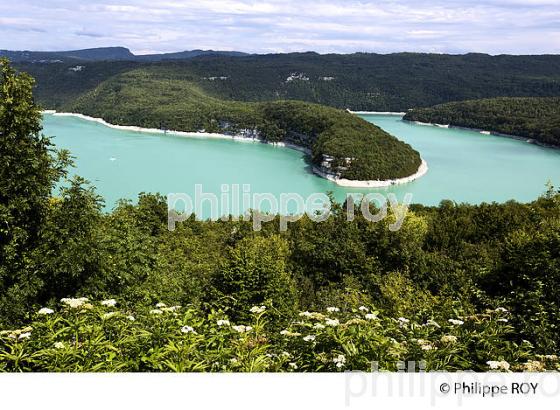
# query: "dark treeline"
[[530, 117], [393, 82]]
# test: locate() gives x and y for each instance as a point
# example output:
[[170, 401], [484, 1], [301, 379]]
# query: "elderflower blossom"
[[498, 365], [45, 311], [501, 309], [293, 365], [363, 309], [75, 303], [188, 329], [370, 316], [431, 322], [170, 309], [257, 309], [333, 309], [109, 302], [25, 335], [131, 318], [59, 345], [306, 314], [340, 361], [156, 312], [242, 328], [456, 322], [160, 305], [403, 320], [425, 344], [448, 339], [318, 326], [309, 338], [287, 333], [332, 322], [222, 322], [533, 366]]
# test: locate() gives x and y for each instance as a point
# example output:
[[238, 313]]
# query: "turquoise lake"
[[464, 166]]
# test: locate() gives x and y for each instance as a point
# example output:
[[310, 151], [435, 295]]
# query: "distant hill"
[[106, 54], [183, 55], [361, 81]]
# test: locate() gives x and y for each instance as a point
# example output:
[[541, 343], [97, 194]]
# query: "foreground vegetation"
[[153, 98], [531, 117], [90, 336], [459, 286]]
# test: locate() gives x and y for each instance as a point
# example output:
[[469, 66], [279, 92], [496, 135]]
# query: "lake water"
[[464, 166]]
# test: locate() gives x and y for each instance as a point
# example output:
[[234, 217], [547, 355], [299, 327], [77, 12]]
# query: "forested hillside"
[[533, 118], [392, 82], [157, 97]]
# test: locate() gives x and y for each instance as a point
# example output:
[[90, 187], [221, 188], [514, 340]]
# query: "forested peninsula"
[[341, 145], [534, 118]]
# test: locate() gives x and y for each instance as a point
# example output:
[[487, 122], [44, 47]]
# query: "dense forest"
[[529, 117], [458, 286], [361, 81], [155, 97]]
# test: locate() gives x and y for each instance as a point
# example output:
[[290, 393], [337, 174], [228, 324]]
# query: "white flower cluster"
[[309, 338], [333, 309], [109, 302], [340, 361], [222, 322], [75, 303], [257, 309], [498, 365], [363, 309], [45, 311], [448, 339], [25, 335], [171, 308], [433, 323], [188, 329], [456, 322], [287, 333], [242, 328], [425, 344], [370, 316], [332, 322]]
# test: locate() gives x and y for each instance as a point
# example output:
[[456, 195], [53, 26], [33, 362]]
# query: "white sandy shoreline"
[[422, 170], [377, 113], [485, 132], [351, 183]]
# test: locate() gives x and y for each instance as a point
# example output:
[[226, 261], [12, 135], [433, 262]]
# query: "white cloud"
[[493, 26]]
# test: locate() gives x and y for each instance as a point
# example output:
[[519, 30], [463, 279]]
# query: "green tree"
[[29, 169], [256, 274]]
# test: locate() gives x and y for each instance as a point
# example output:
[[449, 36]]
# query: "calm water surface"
[[465, 166]]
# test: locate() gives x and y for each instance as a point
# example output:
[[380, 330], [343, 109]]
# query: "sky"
[[271, 26]]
